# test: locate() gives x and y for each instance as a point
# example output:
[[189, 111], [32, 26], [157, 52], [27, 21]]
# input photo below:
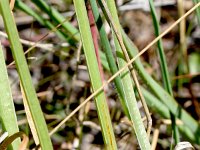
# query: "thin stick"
[[12, 4], [30, 43], [123, 68], [185, 76], [155, 137]]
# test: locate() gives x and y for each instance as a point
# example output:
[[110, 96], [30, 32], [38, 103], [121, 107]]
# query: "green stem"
[[7, 110], [100, 99], [20, 5], [128, 86], [56, 16], [164, 70], [171, 104], [109, 55]]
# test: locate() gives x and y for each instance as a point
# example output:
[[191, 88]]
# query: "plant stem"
[[7, 111], [128, 86], [100, 99], [164, 70], [25, 78]]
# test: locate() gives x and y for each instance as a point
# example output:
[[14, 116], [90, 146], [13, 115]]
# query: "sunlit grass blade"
[[102, 108], [128, 86], [25, 77], [109, 55], [162, 95], [8, 119]]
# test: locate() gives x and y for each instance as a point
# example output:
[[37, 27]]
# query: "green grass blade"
[[58, 18], [168, 100], [95, 77], [109, 55], [197, 11], [7, 111], [104, 61], [163, 66], [128, 87], [25, 77], [161, 109], [22, 6], [158, 107]]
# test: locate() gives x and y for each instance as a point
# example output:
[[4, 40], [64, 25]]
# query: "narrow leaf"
[[7, 111], [102, 108], [25, 77]]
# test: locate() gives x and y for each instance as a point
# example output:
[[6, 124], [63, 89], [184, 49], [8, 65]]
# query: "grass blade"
[[58, 18], [163, 65], [171, 104], [164, 70], [20, 5], [197, 10], [7, 111], [95, 77], [128, 87], [25, 77], [157, 106], [109, 55]]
